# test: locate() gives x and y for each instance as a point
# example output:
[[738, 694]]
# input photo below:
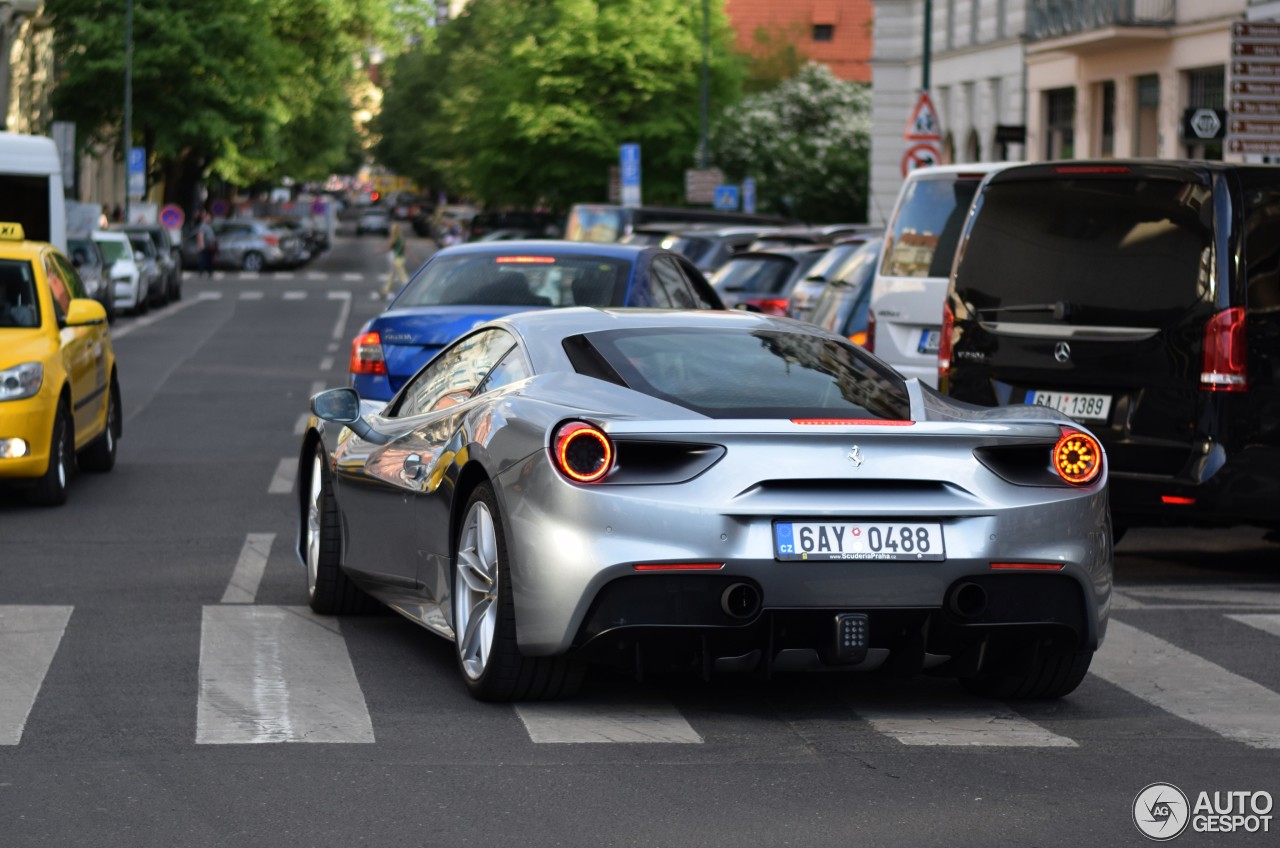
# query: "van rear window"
[[1120, 252], [926, 230]]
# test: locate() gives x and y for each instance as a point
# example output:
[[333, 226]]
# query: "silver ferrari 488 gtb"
[[711, 491]]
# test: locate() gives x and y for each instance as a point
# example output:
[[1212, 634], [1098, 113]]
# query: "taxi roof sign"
[[11, 232]]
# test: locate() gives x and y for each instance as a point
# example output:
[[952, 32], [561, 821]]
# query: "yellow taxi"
[[59, 397]]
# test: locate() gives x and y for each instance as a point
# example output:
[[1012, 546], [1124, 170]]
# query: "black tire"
[[252, 261], [99, 456], [329, 589], [1051, 676], [505, 674], [176, 294], [51, 489], [143, 306]]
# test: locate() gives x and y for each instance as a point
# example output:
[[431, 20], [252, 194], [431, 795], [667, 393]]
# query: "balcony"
[[1091, 21]]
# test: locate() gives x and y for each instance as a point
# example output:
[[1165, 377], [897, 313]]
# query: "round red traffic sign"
[[171, 216], [920, 156]]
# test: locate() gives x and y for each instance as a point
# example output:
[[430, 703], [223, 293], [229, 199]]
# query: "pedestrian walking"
[[396, 274], [206, 243]]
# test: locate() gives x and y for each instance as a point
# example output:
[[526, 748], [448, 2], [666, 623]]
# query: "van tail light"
[[1077, 457], [869, 343], [769, 305], [582, 452], [944, 341], [366, 354], [272, 240], [1224, 352]]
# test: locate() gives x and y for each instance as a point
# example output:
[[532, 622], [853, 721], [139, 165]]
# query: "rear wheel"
[[252, 261], [484, 620], [100, 455], [51, 489], [1050, 676], [329, 590]]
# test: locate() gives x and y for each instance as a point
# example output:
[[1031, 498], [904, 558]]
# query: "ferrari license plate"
[[828, 540], [1077, 406], [929, 341]]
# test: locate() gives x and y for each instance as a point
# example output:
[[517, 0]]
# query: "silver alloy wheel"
[[315, 506], [475, 590]]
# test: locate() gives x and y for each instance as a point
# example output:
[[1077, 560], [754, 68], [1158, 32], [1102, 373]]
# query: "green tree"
[[806, 143], [530, 99]]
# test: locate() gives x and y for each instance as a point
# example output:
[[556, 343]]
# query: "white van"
[[905, 321], [31, 190]]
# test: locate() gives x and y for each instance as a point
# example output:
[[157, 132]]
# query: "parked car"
[[128, 289], [153, 282], [658, 490], [466, 284], [920, 245], [845, 302], [762, 281], [59, 392], [374, 219], [249, 244], [707, 247], [804, 295], [93, 270], [168, 257], [603, 222], [536, 224], [1142, 299]]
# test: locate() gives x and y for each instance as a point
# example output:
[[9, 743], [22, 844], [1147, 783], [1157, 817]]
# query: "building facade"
[[977, 84], [836, 33], [26, 66]]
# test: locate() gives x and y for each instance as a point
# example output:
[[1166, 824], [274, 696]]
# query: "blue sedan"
[[464, 286]]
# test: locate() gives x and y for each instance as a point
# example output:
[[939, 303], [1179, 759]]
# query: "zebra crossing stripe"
[[251, 295], [606, 720], [243, 587], [209, 295], [295, 295], [960, 722], [1189, 686], [300, 426], [352, 276], [276, 674], [1265, 623], [282, 480], [29, 638]]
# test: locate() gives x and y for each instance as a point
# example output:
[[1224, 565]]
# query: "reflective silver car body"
[[567, 541]]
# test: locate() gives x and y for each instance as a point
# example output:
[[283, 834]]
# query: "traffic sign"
[[319, 207], [137, 181], [1253, 125], [920, 156], [748, 195], [726, 197], [629, 170], [172, 217], [923, 124], [219, 208]]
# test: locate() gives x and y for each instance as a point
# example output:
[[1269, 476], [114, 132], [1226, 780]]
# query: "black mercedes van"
[[1141, 298]]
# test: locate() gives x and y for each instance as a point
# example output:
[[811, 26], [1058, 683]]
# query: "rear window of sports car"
[[736, 374]]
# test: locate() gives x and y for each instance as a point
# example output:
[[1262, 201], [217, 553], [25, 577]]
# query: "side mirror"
[[82, 311], [342, 406]]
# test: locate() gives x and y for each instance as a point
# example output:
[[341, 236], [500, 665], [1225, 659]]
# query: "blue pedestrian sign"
[[137, 172], [748, 195], [629, 171], [726, 197]]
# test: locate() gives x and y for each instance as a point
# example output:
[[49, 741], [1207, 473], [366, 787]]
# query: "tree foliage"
[[806, 143], [525, 101], [247, 90]]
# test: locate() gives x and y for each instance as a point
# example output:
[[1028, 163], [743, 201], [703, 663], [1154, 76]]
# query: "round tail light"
[[1077, 457], [582, 452]]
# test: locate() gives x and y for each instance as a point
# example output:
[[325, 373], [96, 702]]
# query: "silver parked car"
[[249, 245], [720, 491], [168, 256]]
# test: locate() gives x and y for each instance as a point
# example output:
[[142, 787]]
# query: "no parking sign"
[[172, 217]]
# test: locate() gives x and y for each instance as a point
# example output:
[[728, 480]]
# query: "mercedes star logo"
[[1062, 351], [855, 456]]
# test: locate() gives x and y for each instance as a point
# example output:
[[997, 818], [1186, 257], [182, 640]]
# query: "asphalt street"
[[162, 683]]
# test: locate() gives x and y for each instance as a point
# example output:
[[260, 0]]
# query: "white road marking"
[[276, 674], [1265, 623], [961, 722], [251, 295], [1189, 686], [351, 276], [243, 587], [249, 275], [1196, 597], [282, 480], [153, 318], [317, 275], [317, 387], [29, 638], [606, 720], [300, 426], [283, 275], [295, 295], [344, 311], [209, 295], [219, 275], [332, 348], [326, 364]]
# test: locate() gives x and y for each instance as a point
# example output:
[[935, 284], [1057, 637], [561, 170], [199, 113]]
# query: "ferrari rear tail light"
[[1225, 352], [944, 341], [1077, 457], [582, 452], [869, 343], [366, 354], [770, 305]]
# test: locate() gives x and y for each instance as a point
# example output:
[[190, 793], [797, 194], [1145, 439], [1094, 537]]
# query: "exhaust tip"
[[740, 600], [969, 600]]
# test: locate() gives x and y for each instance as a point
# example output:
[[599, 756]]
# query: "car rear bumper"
[[1244, 489]]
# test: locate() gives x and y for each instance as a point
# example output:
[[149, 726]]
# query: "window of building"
[[1206, 89], [1060, 123], [975, 20], [823, 32], [1146, 127], [951, 24], [1107, 119]]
